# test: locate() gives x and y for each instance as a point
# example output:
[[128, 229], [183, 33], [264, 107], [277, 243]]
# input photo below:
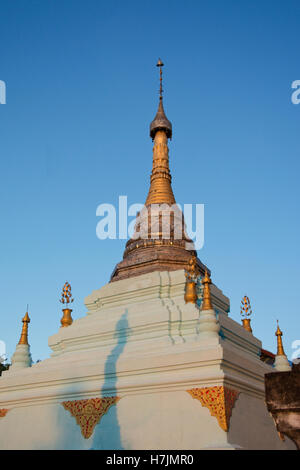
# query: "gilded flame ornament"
[[246, 311], [66, 299]]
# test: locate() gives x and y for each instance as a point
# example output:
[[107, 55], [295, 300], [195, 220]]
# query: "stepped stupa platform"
[[169, 382]]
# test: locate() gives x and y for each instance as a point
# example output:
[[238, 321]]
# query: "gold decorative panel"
[[219, 400], [89, 412]]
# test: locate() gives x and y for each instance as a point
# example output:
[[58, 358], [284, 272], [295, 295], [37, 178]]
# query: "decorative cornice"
[[89, 412], [219, 400], [3, 412]]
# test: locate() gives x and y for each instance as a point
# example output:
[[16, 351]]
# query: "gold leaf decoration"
[[219, 400], [89, 412]]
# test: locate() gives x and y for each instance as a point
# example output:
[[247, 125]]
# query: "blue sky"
[[81, 91]]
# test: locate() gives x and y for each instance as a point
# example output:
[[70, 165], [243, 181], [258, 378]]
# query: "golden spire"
[[24, 334], [206, 281], [246, 311], [160, 191], [66, 299], [166, 246], [191, 274], [280, 350]]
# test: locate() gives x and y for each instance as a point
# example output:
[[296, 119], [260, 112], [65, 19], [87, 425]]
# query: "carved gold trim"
[[89, 412], [3, 412], [219, 400]]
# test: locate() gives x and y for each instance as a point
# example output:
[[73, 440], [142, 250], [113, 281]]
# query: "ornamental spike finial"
[[24, 333], [246, 311], [160, 122], [66, 295], [280, 350], [160, 65], [206, 281], [281, 363], [66, 299]]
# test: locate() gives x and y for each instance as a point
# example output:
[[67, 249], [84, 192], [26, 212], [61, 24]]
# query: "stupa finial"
[[191, 274], [66, 295], [66, 300], [22, 357], [280, 350], [160, 122], [246, 311], [160, 65], [24, 333], [281, 363], [206, 281]]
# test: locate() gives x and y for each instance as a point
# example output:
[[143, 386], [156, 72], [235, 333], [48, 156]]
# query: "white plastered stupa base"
[[281, 363], [141, 342]]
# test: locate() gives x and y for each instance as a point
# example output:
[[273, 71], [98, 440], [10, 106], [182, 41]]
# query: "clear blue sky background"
[[81, 92]]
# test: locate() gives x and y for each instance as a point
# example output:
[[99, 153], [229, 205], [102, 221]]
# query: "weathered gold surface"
[[24, 333]]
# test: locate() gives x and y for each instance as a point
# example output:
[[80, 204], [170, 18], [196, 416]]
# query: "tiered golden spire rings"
[[280, 350], [160, 191], [206, 281], [191, 274], [24, 334], [66, 299], [246, 311]]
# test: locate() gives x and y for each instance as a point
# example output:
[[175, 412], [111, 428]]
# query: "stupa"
[[156, 362]]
